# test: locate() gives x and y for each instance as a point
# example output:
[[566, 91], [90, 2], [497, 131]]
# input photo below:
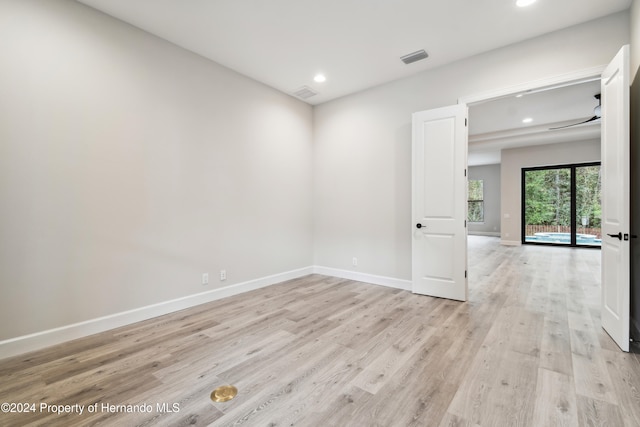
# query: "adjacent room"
[[209, 213], [544, 134]]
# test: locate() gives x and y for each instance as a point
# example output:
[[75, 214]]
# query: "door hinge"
[[465, 172], [465, 274], [465, 223], [465, 121]]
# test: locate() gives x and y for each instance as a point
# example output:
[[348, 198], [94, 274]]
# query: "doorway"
[[535, 126], [615, 262]]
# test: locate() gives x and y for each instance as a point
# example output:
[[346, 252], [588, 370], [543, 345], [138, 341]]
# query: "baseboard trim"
[[511, 242], [364, 277], [484, 233], [40, 340]]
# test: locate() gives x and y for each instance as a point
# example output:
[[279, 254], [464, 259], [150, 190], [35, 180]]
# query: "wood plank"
[[555, 348], [624, 370], [555, 400], [594, 412], [450, 420], [381, 370], [592, 378]]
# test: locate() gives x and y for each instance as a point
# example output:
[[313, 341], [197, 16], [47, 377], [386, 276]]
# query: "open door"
[[439, 210], [615, 199]]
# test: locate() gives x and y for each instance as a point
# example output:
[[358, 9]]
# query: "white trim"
[[484, 233], [39, 340], [557, 81], [511, 242], [389, 282]]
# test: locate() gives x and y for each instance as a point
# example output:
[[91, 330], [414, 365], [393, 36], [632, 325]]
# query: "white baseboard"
[[484, 233], [511, 242], [39, 340], [364, 277]]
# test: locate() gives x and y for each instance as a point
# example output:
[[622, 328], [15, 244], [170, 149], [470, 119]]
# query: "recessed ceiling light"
[[520, 95], [527, 120], [525, 3], [319, 78]]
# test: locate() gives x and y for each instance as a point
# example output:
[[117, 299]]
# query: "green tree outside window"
[[475, 200]]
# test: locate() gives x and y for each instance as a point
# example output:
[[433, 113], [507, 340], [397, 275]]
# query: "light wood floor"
[[526, 350]]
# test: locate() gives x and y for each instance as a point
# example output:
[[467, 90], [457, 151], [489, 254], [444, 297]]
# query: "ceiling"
[[498, 124], [356, 44]]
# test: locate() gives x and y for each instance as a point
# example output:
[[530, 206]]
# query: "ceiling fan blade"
[[576, 124]]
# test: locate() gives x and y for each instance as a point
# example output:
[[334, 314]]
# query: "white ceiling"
[[498, 124], [355, 43]]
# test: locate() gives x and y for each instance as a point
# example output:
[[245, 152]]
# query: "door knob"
[[618, 236], [418, 225]]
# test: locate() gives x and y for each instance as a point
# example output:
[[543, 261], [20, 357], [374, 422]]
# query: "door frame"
[[533, 86], [549, 83], [553, 82]]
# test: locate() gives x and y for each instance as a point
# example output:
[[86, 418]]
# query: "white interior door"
[[615, 199], [439, 210]]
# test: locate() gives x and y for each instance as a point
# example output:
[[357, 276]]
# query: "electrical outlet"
[[205, 278], [355, 261], [223, 275]]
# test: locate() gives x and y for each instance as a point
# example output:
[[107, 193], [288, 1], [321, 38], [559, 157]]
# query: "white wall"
[[634, 16], [513, 160], [490, 175], [362, 143], [129, 167]]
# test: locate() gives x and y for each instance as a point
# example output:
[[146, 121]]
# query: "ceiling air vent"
[[305, 92], [414, 56]]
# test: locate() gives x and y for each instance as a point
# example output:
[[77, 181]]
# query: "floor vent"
[[414, 57], [305, 92]]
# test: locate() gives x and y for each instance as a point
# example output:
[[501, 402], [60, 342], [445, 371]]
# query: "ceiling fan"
[[597, 114]]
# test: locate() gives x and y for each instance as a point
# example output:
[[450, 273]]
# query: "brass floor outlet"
[[224, 393]]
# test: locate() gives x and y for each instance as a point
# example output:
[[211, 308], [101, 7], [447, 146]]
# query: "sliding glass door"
[[588, 206], [547, 206], [561, 205]]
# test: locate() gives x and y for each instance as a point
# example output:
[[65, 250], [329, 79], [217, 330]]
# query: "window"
[[561, 205], [475, 200]]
